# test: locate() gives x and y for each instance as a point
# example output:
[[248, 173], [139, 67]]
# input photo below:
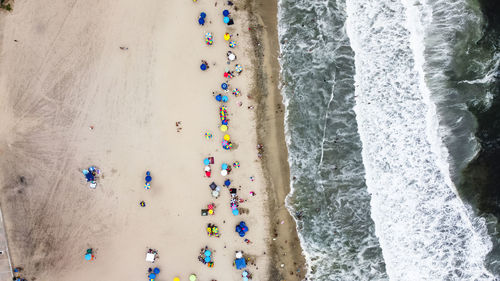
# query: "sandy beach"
[[63, 72]]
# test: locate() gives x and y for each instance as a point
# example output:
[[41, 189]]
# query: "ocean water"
[[384, 100]]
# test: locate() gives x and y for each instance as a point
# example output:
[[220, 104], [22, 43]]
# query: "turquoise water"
[[388, 103]]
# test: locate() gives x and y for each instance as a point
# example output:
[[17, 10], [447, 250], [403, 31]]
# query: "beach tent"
[[240, 263], [213, 186], [150, 257]]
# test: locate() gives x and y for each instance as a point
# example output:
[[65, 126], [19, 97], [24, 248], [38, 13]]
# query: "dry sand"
[[66, 73]]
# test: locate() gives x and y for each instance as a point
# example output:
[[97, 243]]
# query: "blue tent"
[[201, 21], [203, 15], [240, 263], [225, 13], [203, 67]]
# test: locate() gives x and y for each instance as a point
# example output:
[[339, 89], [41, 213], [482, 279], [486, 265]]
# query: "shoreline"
[[288, 261]]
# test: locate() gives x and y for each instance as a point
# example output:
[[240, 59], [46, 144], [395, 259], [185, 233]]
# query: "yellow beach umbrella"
[[177, 279], [223, 128], [227, 137], [227, 36]]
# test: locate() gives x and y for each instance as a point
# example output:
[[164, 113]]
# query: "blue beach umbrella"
[[236, 212], [203, 67], [224, 122], [226, 20], [207, 259], [223, 166], [148, 178], [225, 98], [156, 270], [218, 97], [88, 257], [227, 183], [152, 276], [208, 253], [206, 161], [225, 13], [201, 21], [203, 15], [244, 278], [223, 86]]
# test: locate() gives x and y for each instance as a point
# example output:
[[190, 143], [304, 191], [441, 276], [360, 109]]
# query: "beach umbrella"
[[225, 13], [238, 68], [223, 128], [231, 56], [225, 98], [208, 35], [236, 212], [207, 259], [148, 178], [203, 15], [206, 161], [215, 193], [201, 21], [244, 273], [236, 92], [218, 97], [203, 67], [207, 168], [88, 257], [227, 36], [227, 137], [224, 166], [227, 183], [177, 279], [223, 173], [244, 278], [208, 135], [211, 212], [192, 277], [208, 253], [152, 276], [226, 20], [223, 86], [156, 270], [224, 122], [236, 164], [232, 44], [239, 255]]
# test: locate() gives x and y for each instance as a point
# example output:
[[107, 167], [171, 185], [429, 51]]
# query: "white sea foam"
[[424, 229]]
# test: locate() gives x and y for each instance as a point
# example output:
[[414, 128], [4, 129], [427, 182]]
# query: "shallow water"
[[416, 76]]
